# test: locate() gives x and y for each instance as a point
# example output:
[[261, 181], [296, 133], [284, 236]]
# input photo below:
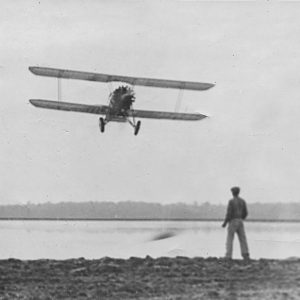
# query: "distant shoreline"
[[142, 211], [148, 219]]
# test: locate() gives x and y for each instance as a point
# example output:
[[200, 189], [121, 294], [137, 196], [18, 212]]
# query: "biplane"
[[120, 107]]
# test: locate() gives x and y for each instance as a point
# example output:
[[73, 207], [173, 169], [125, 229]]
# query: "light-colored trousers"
[[236, 226]]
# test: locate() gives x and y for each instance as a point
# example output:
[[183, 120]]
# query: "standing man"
[[236, 213]]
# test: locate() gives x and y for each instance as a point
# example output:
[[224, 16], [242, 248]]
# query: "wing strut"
[[179, 100], [59, 89]]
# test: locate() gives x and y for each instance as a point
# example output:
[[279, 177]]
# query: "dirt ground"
[[148, 278]]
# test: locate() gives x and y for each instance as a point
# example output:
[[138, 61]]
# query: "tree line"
[[143, 210]]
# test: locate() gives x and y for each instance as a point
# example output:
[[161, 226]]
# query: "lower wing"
[[103, 109], [67, 106], [166, 115]]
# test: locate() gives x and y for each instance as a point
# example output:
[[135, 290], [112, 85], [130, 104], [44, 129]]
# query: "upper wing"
[[92, 109], [161, 83], [166, 115]]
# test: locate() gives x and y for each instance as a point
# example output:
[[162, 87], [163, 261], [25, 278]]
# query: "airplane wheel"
[[137, 127], [101, 124]]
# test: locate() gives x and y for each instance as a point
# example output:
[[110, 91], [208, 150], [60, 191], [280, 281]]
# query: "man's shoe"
[[246, 257]]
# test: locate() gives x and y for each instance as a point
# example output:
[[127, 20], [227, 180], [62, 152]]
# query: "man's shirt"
[[236, 209]]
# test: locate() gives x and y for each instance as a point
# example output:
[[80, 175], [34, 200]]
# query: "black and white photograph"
[[149, 150]]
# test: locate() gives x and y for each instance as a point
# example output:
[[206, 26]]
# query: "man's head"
[[235, 191]]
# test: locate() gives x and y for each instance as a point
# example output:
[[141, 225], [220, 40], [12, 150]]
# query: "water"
[[122, 239]]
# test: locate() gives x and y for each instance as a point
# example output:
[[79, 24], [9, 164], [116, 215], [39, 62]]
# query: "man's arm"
[[245, 211], [228, 214]]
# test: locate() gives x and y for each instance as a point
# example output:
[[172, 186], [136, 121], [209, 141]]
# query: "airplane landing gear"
[[137, 127], [102, 124]]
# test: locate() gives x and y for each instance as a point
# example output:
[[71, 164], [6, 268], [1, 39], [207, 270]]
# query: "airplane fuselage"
[[120, 102], [120, 108]]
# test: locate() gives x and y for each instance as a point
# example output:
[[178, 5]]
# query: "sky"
[[251, 139]]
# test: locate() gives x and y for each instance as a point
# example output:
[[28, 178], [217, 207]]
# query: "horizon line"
[[146, 219]]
